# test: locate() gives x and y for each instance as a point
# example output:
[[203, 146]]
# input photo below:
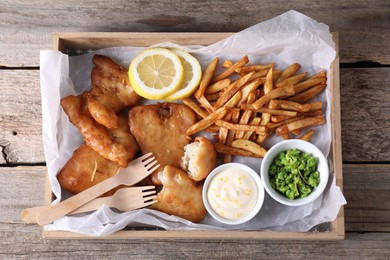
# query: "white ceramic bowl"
[[303, 146], [257, 181]]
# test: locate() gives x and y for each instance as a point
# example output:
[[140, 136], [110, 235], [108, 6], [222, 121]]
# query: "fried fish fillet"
[[117, 145], [111, 91], [180, 196], [84, 169], [160, 128]]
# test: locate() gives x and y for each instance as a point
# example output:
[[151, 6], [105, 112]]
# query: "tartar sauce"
[[232, 193]]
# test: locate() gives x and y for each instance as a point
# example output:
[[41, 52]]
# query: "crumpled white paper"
[[286, 39]]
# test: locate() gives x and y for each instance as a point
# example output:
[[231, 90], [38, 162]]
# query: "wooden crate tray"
[[78, 43]]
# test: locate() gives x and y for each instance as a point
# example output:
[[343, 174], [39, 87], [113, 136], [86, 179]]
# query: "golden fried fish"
[[84, 169], [180, 196], [160, 129], [111, 91], [117, 145]]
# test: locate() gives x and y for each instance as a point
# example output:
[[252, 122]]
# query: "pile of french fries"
[[246, 104]]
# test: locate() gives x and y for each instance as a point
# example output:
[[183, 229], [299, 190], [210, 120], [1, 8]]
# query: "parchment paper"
[[286, 39]]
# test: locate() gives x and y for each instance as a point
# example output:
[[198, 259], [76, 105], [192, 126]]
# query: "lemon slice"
[[192, 75], [156, 73]]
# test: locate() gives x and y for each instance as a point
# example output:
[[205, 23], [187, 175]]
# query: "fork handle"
[[29, 215], [63, 208]]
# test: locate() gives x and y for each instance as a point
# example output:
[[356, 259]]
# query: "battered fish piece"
[[180, 196], [200, 158], [160, 129], [111, 91], [84, 169], [117, 145]]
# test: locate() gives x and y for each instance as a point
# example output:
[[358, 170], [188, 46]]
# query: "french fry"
[[307, 94], [206, 104], [246, 115], [213, 97], [278, 121], [206, 77], [244, 60], [273, 125], [277, 74], [296, 132], [207, 121], [227, 64], [302, 86], [254, 121], [308, 135], [262, 137], [315, 105], [212, 129], [227, 149], [321, 74], [277, 112], [235, 116], [234, 100], [238, 127], [286, 136], [268, 86], [249, 146], [250, 88], [222, 135], [288, 72], [258, 74], [291, 80], [233, 88], [308, 121], [289, 105], [197, 109], [250, 68], [246, 106], [218, 86], [275, 93]]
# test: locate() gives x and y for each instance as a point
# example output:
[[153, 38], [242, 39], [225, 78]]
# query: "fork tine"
[[149, 203], [151, 164], [153, 169], [145, 156], [148, 160], [148, 193], [145, 188]]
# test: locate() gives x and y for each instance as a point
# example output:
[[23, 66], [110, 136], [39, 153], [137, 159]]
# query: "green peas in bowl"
[[294, 172]]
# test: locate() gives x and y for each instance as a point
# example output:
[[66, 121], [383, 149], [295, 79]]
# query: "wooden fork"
[[136, 171], [124, 199]]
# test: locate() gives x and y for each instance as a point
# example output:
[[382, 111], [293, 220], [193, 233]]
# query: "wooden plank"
[[20, 117], [364, 115], [24, 241], [27, 26], [338, 225], [366, 188]]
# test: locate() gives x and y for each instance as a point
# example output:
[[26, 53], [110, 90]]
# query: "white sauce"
[[232, 193]]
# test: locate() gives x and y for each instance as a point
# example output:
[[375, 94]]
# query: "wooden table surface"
[[26, 28]]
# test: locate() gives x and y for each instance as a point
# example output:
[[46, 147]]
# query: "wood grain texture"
[[363, 25], [365, 111], [25, 241], [367, 189], [20, 117], [369, 194], [365, 114]]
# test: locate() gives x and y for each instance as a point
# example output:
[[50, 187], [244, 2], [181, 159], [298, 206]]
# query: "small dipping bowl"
[[233, 193], [304, 146]]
